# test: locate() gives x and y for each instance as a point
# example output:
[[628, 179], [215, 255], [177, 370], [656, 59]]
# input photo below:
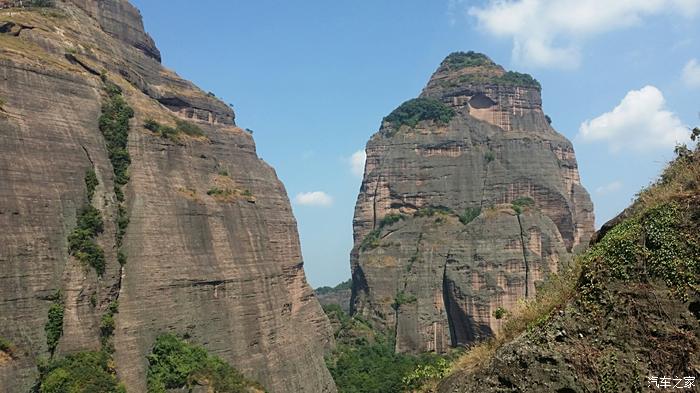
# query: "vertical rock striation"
[[211, 245], [469, 199]]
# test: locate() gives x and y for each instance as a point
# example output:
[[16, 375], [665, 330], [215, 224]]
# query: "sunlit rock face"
[[225, 271], [433, 279]]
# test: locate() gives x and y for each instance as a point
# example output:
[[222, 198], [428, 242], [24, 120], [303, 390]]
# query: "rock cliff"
[[195, 238], [469, 199]]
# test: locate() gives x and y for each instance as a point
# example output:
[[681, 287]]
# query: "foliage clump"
[[411, 112], [520, 204], [174, 364], [172, 133], [469, 215], [6, 346], [459, 60], [54, 323], [432, 210], [107, 325], [83, 372], [82, 242], [114, 125], [91, 183], [403, 298]]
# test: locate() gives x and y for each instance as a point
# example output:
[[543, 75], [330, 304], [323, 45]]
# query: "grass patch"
[[411, 112], [174, 364], [79, 373]]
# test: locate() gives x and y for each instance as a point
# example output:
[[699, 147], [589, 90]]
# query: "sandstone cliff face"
[[225, 270], [433, 278]]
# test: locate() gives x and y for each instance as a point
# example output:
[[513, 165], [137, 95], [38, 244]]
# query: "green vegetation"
[[223, 172], [81, 242], [432, 210], [219, 192], [401, 299], [522, 203], [509, 78], [167, 132], [364, 360], [411, 112], [372, 238], [2, 103], [459, 60], [84, 372], [469, 215], [489, 156], [91, 183], [54, 324], [499, 313], [6, 346], [174, 363], [107, 325], [342, 286], [114, 124]]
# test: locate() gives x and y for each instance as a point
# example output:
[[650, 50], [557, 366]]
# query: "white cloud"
[[609, 188], [691, 73], [549, 33], [314, 198], [357, 163], [640, 122]]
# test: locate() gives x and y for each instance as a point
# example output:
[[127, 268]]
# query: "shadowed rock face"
[[227, 271], [435, 280]]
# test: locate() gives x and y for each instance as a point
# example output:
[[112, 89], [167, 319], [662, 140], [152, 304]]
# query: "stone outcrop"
[[459, 217], [224, 270]]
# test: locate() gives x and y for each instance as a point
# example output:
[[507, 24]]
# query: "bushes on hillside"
[[54, 323], [174, 363], [82, 241], [84, 372], [172, 133], [411, 112]]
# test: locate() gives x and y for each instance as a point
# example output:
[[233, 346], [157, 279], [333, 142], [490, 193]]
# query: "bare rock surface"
[[226, 271], [436, 280]]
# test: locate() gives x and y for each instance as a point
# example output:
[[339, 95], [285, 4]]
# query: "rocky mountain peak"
[[475, 85]]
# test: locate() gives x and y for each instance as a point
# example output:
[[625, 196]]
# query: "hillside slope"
[[629, 313], [131, 205]]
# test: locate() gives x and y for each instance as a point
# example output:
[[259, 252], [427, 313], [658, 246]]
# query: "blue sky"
[[313, 80]]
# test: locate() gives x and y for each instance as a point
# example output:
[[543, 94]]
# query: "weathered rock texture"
[[227, 271], [431, 278]]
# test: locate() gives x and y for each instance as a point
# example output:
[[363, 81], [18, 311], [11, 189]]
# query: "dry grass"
[[554, 295]]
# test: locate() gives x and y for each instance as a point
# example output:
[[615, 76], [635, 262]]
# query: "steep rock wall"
[[226, 271], [437, 281]]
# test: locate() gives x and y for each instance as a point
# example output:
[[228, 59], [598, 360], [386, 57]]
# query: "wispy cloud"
[[314, 198], [357, 162], [691, 73], [609, 188], [550, 33], [640, 122]]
